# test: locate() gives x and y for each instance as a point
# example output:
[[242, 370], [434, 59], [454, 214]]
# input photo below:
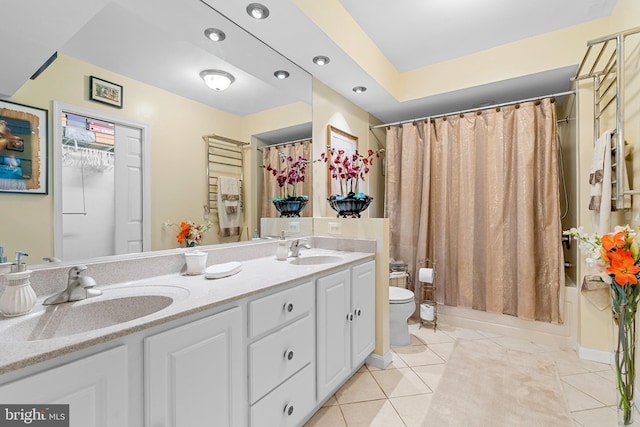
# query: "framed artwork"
[[105, 92], [340, 140], [23, 149]]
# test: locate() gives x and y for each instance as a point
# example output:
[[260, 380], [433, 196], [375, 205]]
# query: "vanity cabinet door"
[[96, 389], [334, 323], [193, 373], [363, 304]]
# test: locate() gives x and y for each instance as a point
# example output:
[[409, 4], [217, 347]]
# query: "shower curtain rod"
[[283, 143], [471, 110]]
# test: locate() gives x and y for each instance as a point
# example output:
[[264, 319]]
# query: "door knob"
[[288, 354], [288, 306]]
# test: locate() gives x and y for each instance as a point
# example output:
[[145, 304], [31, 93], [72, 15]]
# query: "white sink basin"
[[315, 259], [114, 306]]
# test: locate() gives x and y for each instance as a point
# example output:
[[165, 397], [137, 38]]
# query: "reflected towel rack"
[[225, 156], [604, 60]]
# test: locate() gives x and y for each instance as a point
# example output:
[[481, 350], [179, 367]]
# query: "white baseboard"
[[600, 356], [380, 362]]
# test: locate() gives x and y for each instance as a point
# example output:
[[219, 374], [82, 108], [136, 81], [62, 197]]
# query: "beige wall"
[[596, 326], [330, 108], [176, 126]]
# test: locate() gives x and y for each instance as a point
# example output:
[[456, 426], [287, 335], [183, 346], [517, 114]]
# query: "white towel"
[[228, 203], [229, 188], [600, 180]]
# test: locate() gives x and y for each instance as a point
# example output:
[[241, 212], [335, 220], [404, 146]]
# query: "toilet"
[[401, 307]]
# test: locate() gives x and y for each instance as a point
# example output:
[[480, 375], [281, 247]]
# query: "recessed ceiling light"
[[257, 11], [281, 74], [321, 60], [359, 89], [217, 79], [215, 34]]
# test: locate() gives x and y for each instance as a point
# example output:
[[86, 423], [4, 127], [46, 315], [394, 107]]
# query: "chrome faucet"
[[78, 288], [294, 249]]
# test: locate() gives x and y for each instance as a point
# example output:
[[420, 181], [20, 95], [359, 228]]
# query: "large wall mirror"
[[155, 51]]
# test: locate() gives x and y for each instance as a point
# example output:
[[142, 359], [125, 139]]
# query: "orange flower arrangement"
[[615, 257], [189, 232]]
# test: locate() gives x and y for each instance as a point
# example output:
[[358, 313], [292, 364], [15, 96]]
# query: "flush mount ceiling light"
[[257, 11], [321, 60], [281, 74], [217, 79], [359, 89], [215, 34]]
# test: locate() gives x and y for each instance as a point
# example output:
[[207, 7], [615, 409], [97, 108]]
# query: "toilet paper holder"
[[428, 304]]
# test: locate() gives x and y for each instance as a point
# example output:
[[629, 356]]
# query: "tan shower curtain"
[[270, 187], [493, 222]]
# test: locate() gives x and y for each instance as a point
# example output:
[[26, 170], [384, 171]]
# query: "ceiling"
[[161, 42]]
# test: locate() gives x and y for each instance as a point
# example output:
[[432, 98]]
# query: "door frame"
[[56, 166]]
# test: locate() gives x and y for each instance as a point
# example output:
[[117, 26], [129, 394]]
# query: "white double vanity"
[[264, 347]]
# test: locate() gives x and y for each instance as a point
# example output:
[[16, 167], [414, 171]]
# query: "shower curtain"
[[270, 187], [484, 205]]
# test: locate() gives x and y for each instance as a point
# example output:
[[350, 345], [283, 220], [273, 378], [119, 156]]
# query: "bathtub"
[[564, 335]]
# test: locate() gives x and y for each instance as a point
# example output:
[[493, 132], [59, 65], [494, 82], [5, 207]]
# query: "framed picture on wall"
[[105, 92], [23, 149], [340, 140]]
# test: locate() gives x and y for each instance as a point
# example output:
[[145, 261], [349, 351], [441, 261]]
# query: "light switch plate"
[[335, 228], [294, 226]]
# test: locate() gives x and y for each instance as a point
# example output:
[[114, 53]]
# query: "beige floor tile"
[[361, 387], [331, 402], [413, 409], [400, 382], [443, 350], [428, 336], [578, 400], [599, 417], [430, 374], [417, 355], [375, 413], [462, 333], [396, 362], [593, 385], [363, 368], [328, 416]]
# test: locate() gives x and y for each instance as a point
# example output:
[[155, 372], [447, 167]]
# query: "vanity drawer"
[[277, 309], [287, 405], [276, 357]]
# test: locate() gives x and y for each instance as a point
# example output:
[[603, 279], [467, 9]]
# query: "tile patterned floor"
[[400, 395]]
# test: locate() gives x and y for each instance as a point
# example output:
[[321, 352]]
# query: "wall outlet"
[[294, 226], [335, 228]]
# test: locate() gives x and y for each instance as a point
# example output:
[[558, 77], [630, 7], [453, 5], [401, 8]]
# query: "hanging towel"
[[626, 201], [229, 188], [600, 181], [229, 219]]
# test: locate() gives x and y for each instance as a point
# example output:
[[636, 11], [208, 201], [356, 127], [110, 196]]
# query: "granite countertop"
[[191, 294]]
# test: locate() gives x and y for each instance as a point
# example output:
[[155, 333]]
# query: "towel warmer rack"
[[225, 156], [606, 57]]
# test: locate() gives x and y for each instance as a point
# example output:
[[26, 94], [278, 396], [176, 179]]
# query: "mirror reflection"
[[156, 54]]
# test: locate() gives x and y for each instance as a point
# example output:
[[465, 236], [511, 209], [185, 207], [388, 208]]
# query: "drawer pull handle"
[[288, 306], [358, 312], [350, 316], [288, 354], [288, 409]]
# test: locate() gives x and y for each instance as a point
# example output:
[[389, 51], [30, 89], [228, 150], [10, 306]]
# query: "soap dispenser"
[[5, 267], [282, 252], [18, 297]]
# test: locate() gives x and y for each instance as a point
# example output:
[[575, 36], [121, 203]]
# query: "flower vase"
[[625, 363], [191, 244]]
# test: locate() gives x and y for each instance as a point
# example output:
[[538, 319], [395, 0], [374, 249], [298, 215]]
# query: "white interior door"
[[128, 190]]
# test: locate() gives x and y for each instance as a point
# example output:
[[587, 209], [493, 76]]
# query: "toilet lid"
[[399, 295]]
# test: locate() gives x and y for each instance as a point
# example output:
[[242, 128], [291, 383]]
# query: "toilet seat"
[[399, 295]]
